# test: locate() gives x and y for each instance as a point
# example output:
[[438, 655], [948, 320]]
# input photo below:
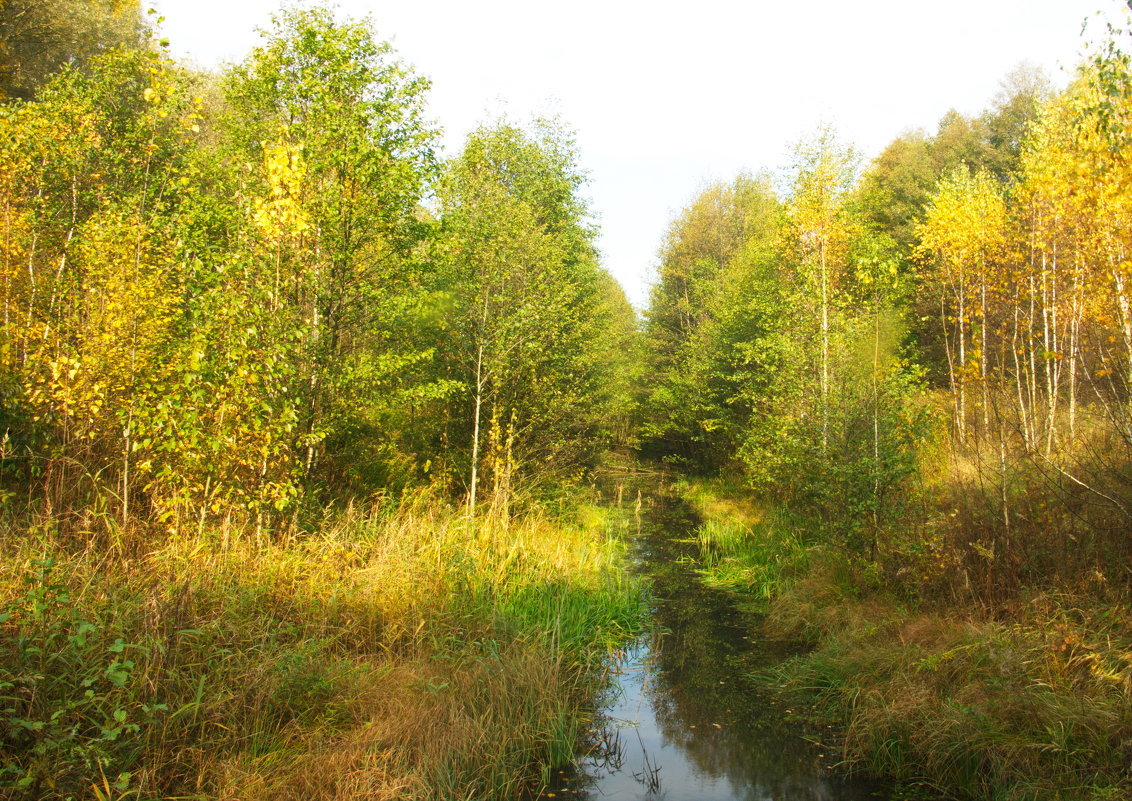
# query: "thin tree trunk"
[[1050, 342], [1032, 377], [62, 258], [962, 363], [824, 351], [1074, 346], [983, 344], [1019, 379], [31, 297], [1125, 317], [876, 424], [1006, 549], [476, 433], [951, 372]]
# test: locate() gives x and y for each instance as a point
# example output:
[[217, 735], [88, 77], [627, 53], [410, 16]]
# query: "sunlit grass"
[[406, 654], [741, 547]]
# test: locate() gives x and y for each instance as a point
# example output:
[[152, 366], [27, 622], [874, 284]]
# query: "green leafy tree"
[[334, 128], [534, 322], [712, 248]]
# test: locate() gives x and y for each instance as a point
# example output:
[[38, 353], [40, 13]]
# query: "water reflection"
[[684, 719]]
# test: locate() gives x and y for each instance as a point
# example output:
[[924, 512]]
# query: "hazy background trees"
[[37, 37]]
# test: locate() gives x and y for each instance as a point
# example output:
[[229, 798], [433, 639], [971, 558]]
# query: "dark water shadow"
[[685, 717]]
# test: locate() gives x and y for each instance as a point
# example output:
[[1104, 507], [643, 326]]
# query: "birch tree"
[[334, 126], [820, 229], [961, 242], [532, 332]]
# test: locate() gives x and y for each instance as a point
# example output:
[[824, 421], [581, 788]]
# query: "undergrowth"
[[1039, 707]]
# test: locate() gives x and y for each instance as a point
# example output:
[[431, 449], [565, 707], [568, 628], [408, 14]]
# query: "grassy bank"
[[1029, 699], [743, 547], [391, 654]]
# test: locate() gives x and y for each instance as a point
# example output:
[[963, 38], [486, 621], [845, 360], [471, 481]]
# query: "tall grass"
[[742, 547], [761, 560], [391, 654]]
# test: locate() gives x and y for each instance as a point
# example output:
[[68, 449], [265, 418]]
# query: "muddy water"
[[686, 718]]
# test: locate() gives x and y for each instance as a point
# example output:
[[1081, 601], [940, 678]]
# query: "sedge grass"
[[741, 547]]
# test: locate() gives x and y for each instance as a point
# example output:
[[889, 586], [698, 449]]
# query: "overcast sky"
[[666, 97]]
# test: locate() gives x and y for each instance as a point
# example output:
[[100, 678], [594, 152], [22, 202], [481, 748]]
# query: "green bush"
[[70, 712]]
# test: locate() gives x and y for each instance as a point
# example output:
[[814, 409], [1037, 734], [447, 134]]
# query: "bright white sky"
[[666, 97]]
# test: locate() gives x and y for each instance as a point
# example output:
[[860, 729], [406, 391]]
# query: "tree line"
[[251, 292], [248, 293], [926, 358]]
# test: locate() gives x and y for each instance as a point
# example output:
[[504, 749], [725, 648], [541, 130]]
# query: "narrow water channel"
[[685, 718]]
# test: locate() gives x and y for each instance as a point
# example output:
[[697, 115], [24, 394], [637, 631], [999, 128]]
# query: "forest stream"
[[686, 716]]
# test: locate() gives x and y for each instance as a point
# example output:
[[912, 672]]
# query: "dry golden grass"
[[949, 684]]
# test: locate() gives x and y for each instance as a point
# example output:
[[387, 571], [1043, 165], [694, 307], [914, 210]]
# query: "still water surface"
[[686, 717]]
